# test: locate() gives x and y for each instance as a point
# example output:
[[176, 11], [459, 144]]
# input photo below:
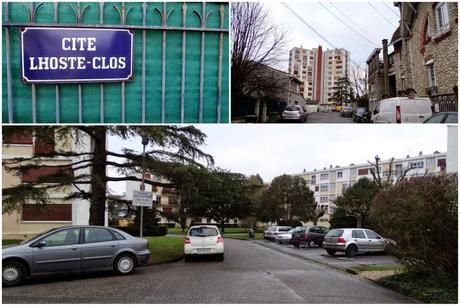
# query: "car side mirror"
[[40, 244]]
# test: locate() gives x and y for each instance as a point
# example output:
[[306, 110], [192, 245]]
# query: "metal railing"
[[81, 9], [446, 102]]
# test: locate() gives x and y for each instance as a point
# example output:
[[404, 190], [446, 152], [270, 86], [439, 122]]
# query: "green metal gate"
[[181, 63]]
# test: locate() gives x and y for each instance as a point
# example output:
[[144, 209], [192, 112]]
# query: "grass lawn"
[[424, 288], [10, 241], [363, 268], [165, 249], [243, 236]]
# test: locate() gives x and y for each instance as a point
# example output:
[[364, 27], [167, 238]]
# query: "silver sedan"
[[73, 249]]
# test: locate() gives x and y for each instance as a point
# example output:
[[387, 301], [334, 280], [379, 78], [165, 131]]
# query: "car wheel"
[[220, 257], [330, 252], [14, 273], [351, 250], [125, 264], [311, 244], [186, 258]]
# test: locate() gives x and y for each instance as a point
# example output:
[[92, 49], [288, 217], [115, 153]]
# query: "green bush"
[[339, 219], [420, 215]]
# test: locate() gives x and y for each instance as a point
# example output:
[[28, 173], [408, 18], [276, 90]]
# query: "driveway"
[[251, 273], [328, 117], [338, 261]]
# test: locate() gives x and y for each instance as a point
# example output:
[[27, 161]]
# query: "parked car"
[[402, 110], [309, 236], [203, 240], [273, 231], [294, 113], [347, 111], [352, 241], [286, 237], [362, 114], [443, 117], [73, 249]]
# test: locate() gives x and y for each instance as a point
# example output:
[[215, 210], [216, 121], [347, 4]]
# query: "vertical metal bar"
[[101, 21], [8, 66], [123, 110], [182, 88], [144, 41], [203, 37], [34, 96], [58, 103], [163, 67], [80, 95], [219, 68]]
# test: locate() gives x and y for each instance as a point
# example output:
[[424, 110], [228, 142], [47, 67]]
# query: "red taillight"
[[187, 240], [398, 114], [341, 240], [219, 239]]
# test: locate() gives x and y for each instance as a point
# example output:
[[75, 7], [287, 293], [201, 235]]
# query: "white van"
[[402, 110]]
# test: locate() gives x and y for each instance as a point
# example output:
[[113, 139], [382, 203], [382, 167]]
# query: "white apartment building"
[[318, 70], [330, 183]]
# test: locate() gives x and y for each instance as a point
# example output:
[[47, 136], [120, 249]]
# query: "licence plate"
[[203, 250]]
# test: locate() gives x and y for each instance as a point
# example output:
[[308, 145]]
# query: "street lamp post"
[[145, 141]]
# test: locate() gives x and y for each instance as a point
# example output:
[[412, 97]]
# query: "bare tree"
[[256, 42], [358, 80], [387, 180]]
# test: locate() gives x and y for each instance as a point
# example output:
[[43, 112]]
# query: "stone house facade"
[[429, 47]]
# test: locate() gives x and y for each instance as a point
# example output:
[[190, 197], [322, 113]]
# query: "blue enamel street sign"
[[58, 55]]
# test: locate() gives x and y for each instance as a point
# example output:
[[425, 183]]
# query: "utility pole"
[[145, 141]]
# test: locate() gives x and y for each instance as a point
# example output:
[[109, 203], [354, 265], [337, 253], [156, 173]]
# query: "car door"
[[360, 239], [59, 251], [376, 243], [98, 249]]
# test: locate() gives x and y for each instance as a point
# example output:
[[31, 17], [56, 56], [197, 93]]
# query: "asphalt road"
[[328, 117], [338, 261], [251, 273]]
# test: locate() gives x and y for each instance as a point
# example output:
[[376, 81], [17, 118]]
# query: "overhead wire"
[[348, 26], [381, 15], [349, 19], [384, 3]]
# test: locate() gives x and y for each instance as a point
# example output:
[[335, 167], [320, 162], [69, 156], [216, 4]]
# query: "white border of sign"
[[77, 80]]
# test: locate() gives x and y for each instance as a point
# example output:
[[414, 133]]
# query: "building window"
[[51, 212], [431, 74], [324, 199], [442, 164], [363, 171], [416, 164], [158, 200], [316, 188], [442, 17], [324, 187], [339, 174], [324, 176], [235, 221], [332, 197]]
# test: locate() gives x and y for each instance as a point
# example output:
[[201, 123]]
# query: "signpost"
[[62, 55], [142, 198]]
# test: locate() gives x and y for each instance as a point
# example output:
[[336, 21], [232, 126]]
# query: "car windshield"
[[284, 229], [335, 233], [292, 108], [203, 232], [361, 110], [37, 236]]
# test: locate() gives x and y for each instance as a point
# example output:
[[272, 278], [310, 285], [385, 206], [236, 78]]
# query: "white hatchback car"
[[203, 240]]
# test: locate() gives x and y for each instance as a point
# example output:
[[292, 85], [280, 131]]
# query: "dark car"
[[347, 111], [444, 117], [362, 114], [310, 236]]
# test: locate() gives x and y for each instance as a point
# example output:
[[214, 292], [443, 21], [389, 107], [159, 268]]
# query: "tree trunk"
[[98, 178], [222, 224]]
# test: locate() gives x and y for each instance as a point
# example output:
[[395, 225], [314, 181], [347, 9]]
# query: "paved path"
[[328, 117], [251, 273]]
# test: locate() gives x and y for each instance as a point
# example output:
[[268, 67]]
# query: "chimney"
[[436, 152], [386, 85], [407, 156], [330, 166], [420, 153]]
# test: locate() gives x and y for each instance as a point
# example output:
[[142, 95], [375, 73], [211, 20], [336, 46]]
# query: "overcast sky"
[[364, 17], [271, 150]]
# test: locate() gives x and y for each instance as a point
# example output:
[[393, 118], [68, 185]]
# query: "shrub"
[[291, 223], [147, 231], [420, 215], [339, 219]]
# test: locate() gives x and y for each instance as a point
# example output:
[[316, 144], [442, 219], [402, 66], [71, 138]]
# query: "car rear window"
[[335, 233], [292, 108], [203, 232], [284, 229]]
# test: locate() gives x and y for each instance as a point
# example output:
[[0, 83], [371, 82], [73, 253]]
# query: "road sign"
[[61, 55], [142, 198]]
